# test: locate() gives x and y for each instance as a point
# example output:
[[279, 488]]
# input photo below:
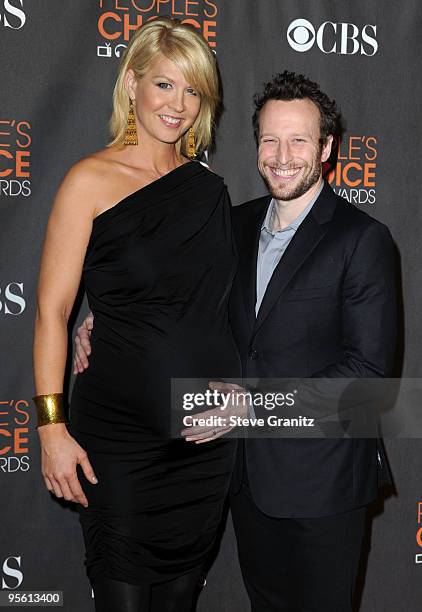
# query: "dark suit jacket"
[[329, 311]]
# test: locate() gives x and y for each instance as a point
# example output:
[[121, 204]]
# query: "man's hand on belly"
[[213, 424]]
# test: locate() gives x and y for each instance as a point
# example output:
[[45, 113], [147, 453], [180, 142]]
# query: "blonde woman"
[[149, 231]]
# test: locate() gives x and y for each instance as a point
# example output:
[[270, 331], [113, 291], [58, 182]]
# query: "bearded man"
[[314, 297]]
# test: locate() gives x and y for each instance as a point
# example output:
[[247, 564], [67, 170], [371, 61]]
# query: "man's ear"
[[326, 148], [131, 83]]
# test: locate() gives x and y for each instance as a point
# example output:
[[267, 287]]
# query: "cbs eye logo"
[[340, 38], [301, 35]]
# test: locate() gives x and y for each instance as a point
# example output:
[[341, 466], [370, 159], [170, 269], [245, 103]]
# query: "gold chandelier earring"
[[191, 143], [131, 136]]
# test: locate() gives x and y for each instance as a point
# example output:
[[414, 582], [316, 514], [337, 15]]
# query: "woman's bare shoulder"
[[90, 169], [80, 193], [88, 181]]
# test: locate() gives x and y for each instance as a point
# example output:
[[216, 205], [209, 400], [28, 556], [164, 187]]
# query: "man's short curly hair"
[[292, 86]]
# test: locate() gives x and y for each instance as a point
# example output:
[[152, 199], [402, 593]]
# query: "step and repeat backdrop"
[[58, 62]]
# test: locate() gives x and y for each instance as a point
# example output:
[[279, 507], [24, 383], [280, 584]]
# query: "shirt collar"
[[268, 223]]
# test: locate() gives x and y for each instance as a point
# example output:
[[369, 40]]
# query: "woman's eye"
[[164, 85], [298, 140], [192, 91]]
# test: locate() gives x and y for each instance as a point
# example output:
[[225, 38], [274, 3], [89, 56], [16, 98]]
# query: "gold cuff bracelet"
[[50, 409]]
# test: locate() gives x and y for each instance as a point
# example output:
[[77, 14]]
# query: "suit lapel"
[[251, 232], [301, 246], [305, 240]]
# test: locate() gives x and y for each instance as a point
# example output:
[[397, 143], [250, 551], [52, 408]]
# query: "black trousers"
[[297, 565], [178, 595]]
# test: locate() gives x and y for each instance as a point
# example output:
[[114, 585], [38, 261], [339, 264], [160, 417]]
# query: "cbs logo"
[[12, 16], [13, 302], [12, 572], [341, 38]]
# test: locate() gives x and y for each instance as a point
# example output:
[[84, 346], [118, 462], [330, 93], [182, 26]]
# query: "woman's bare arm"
[[67, 236]]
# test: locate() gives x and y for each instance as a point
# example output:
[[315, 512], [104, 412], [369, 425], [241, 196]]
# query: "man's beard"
[[308, 181]]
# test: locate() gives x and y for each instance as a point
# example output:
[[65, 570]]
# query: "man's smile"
[[287, 175]]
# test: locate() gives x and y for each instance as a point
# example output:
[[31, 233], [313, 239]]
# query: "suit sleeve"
[[369, 314]]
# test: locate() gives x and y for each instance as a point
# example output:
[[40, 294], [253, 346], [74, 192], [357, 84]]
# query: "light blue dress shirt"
[[272, 246]]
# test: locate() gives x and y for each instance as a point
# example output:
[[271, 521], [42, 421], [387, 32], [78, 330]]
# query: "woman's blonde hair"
[[190, 52]]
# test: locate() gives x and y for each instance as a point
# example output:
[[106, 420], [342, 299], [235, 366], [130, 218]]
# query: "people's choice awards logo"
[[14, 436], [118, 20], [330, 37], [418, 556], [15, 157], [12, 14], [354, 176]]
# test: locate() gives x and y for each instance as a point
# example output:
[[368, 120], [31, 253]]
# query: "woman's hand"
[[83, 345], [60, 454]]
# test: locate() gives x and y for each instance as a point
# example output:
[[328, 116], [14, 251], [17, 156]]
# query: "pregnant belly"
[[131, 387]]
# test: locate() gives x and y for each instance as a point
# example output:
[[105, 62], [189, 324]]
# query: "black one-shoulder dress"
[[158, 272]]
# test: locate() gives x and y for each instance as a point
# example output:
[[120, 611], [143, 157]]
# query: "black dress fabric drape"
[[158, 272]]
